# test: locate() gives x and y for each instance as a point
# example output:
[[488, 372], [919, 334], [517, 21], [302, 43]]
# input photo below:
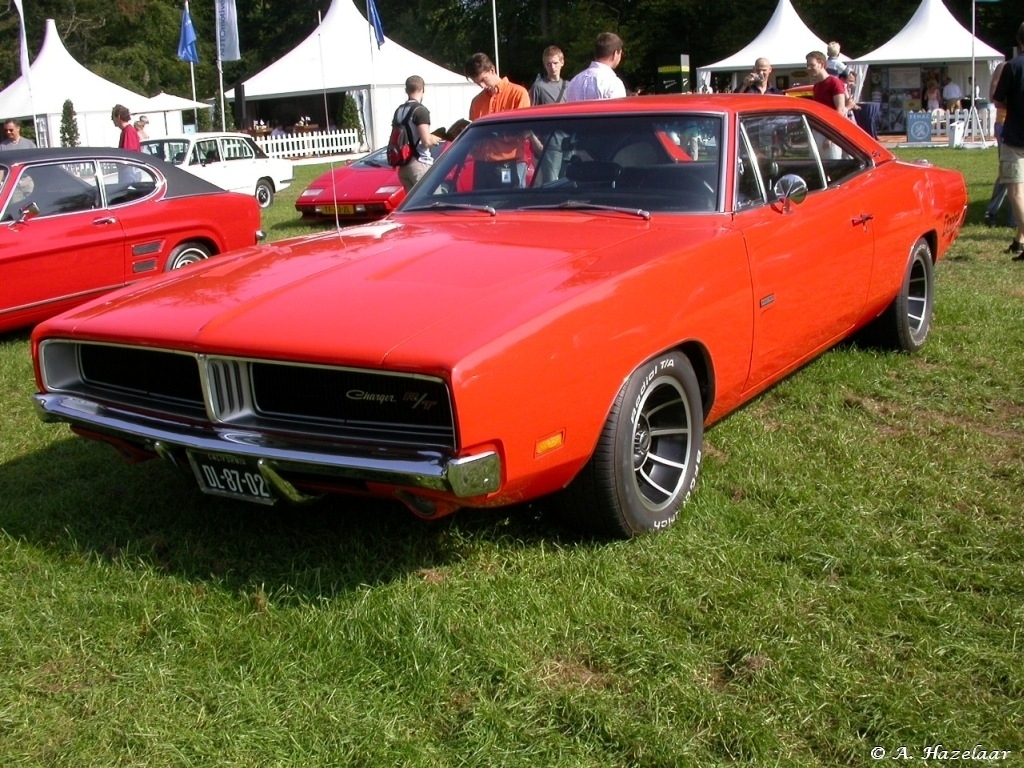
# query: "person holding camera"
[[760, 80]]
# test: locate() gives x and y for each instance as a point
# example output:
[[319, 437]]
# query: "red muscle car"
[[78, 222], [565, 301]]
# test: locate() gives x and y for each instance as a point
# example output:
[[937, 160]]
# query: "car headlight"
[[312, 192], [387, 190]]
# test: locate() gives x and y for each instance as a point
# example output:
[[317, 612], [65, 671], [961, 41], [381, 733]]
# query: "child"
[[833, 65]]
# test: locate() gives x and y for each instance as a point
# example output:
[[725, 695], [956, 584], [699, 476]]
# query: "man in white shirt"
[[599, 81], [951, 94]]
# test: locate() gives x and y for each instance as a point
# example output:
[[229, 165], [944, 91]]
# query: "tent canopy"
[[932, 36], [785, 42], [168, 102], [56, 77], [341, 55]]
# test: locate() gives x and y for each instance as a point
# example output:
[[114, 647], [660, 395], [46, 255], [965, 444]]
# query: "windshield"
[[639, 162], [379, 157]]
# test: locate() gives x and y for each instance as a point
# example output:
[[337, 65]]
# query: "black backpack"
[[401, 148]]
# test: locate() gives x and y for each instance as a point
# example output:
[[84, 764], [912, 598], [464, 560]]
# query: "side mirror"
[[29, 211], [789, 190]]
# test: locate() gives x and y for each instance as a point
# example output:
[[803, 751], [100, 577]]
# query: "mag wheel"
[[647, 459], [905, 323], [185, 254], [264, 193]]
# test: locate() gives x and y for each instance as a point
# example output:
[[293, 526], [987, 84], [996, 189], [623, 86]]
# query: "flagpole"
[[195, 110], [187, 51], [220, 68], [377, 31], [973, 118], [494, 16], [323, 76], [25, 67], [192, 73]]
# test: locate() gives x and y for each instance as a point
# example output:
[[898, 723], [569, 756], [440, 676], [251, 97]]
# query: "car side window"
[[236, 149], [57, 188], [749, 190], [783, 144], [840, 159], [124, 182], [206, 152]]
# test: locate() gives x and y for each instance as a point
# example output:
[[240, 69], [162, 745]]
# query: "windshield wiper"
[[584, 206], [438, 206]]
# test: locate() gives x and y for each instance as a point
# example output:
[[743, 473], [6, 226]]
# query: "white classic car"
[[232, 161]]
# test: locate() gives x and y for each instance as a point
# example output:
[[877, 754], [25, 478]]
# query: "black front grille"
[[142, 373], [361, 400], [304, 401]]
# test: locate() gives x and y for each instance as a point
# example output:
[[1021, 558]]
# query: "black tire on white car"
[[265, 193]]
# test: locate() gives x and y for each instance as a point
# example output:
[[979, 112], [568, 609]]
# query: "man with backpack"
[[411, 139]]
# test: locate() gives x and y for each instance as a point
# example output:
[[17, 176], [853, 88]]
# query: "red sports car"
[[75, 223], [565, 301], [355, 193]]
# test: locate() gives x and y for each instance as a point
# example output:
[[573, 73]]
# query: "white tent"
[[785, 41], [341, 55], [933, 36], [169, 107], [55, 77]]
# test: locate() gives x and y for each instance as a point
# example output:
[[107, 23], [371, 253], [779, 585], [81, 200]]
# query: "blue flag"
[[187, 50], [374, 17]]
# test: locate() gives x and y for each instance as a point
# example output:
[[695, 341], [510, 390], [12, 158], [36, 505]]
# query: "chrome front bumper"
[[464, 477]]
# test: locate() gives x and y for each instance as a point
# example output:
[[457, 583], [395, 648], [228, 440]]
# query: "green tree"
[[134, 42], [68, 126], [348, 116]]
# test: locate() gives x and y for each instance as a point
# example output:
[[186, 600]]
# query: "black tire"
[[905, 323], [265, 193], [648, 457], [185, 254]]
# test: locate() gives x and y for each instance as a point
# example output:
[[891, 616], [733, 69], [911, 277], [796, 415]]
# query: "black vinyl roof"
[[179, 183]]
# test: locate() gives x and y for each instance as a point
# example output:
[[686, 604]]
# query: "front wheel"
[[185, 254], [905, 323], [648, 457], [264, 193]]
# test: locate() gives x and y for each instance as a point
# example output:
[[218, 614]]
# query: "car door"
[[239, 164], [72, 249], [810, 262], [206, 162], [128, 190]]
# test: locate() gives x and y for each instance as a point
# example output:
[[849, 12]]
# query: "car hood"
[[411, 296]]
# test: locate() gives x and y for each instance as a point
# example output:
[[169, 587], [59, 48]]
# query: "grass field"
[[847, 577]]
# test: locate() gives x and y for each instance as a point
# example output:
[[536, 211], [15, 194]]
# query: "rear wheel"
[[264, 193], [648, 457], [905, 323], [185, 254]]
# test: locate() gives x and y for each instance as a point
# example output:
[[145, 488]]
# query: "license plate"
[[222, 474], [343, 210]]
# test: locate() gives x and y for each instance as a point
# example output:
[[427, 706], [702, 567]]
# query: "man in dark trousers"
[[1009, 95]]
